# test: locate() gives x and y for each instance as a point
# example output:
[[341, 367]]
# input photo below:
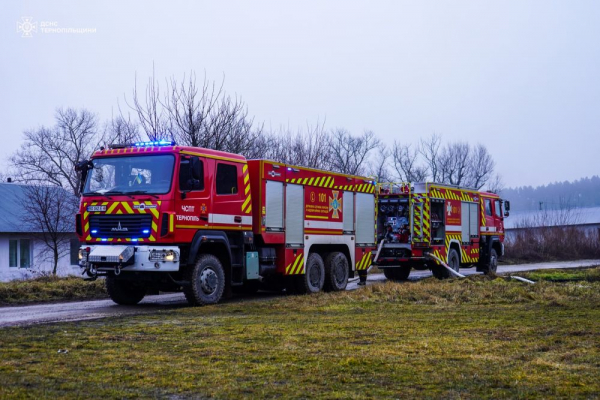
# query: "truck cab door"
[[488, 223], [232, 205], [498, 217], [193, 204]]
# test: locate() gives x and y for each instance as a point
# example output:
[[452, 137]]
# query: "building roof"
[[544, 218], [12, 213]]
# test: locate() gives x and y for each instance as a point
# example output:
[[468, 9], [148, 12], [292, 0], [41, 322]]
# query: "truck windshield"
[[150, 174]]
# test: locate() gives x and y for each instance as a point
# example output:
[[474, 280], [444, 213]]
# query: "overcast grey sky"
[[521, 77]]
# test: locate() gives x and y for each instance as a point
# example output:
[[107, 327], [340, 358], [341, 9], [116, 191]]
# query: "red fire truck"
[[423, 225], [157, 216]]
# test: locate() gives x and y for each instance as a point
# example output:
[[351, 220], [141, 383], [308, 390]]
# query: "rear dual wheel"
[[313, 279], [336, 272]]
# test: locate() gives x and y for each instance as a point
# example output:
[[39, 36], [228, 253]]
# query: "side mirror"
[[506, 213], [507, 205]]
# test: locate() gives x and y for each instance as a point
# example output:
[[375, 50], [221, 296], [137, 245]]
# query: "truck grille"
[[120, 226]]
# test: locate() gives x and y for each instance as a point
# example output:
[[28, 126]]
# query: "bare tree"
[[350, 153], [198, 114], [121, 130], [48, 214], [308, 148], [407, 163], [378, 168], [454, 160], [152, 115], [495, 184], [480, 167], [48, 155], [430, 149]]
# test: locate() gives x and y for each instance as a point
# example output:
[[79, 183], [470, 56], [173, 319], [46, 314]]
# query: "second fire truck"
[[426, 225]]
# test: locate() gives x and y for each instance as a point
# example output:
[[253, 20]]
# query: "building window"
[[75, 251], [19, 253], [227, 179], [12, 252]]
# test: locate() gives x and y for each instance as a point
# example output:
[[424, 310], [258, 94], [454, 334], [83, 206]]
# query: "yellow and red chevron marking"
[[329, 182], [452, 236], [482, 213], [296, 267], [122, 207], [470, 255], [417, 222], [365, 261], [247, 205], [426, 222], [452, 194]]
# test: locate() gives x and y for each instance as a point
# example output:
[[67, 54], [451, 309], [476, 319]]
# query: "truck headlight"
[[163, 255], [83, 255]]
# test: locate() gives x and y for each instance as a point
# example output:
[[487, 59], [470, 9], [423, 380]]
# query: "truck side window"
[[488, 207], [497, 208], [186, 180], [227, 182]]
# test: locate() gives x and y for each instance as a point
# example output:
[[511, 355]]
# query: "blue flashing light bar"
[[134, 240], [154, 143], [104, 240], [146, 231], [94, 231]]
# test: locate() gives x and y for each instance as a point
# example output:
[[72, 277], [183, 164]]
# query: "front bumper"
[[130, 258]]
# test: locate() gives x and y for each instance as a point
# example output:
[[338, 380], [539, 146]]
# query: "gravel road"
[[95, 309]]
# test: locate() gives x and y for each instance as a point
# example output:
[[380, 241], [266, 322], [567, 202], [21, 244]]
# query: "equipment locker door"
[[419, 221], [294, 214]]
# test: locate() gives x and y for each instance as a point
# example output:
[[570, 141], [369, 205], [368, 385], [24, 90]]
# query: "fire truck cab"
[[157, 216], [438, 223]]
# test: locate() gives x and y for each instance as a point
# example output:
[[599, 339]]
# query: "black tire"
[[207, 281], [453, 262], [336, 272], [492, 265], [124, 292], [398, 273], [313, 279], [249, 287]]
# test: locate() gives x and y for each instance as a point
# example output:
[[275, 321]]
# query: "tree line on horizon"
[[581, 193]]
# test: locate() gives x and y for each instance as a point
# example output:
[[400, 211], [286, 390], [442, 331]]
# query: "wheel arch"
[[454, 245], [211, 242]]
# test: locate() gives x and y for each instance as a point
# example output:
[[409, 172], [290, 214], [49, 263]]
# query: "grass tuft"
[[50, 288]]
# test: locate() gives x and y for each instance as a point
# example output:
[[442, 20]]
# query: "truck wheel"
[[123, 292], [314, 275], [397, 273], [336, 272], [492, 265], [207, 281], [389, 273], [453, 262], [403, 272]]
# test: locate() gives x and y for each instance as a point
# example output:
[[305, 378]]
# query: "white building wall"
[[40, 264]]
